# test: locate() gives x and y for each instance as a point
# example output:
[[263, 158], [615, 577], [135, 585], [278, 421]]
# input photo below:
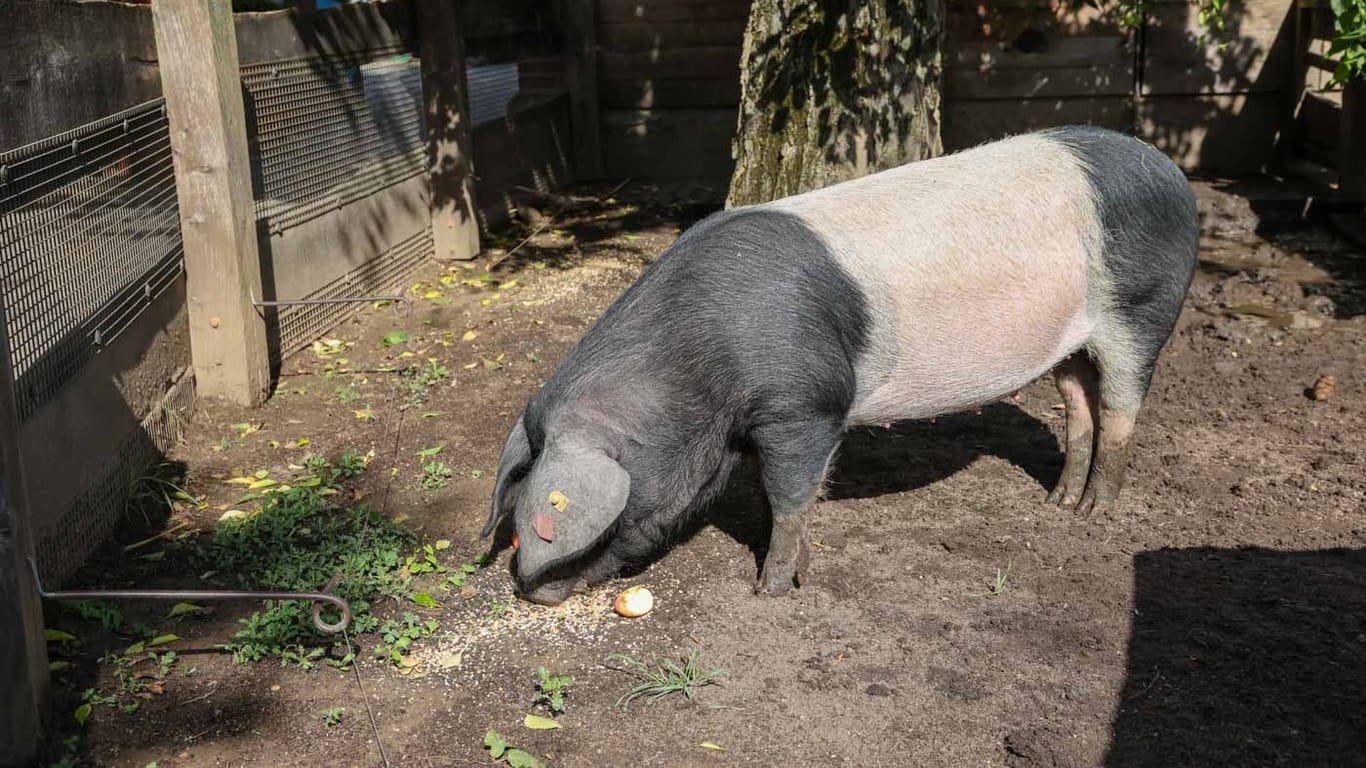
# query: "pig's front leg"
[[795, 459]]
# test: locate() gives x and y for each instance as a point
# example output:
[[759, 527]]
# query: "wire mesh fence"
[[89, 238], [299, 326], [327, 131]]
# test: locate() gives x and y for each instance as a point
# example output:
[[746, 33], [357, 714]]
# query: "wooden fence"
[[1241, 100]]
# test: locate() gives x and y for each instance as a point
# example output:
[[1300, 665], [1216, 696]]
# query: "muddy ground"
[[1217, 617]]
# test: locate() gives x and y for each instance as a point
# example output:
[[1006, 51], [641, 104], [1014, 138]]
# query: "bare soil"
[[1217, 617]]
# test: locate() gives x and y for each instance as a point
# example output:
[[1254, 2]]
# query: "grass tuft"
[[664, 677]]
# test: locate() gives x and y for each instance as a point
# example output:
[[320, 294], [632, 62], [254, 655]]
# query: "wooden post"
[[1288, 137], [197, 52], [581, 71], [1352, 145], [23, 647], [441, 50]]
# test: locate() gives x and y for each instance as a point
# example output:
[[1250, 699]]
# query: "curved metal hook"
[[327, 595]]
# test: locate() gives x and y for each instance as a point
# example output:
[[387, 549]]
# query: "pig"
[[766, 331]]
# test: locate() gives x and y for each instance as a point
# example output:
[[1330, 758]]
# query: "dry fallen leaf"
[[712, 745], [538, 723]]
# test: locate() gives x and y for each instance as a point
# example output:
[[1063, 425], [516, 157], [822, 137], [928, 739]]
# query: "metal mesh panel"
[[491, 87], [90, 517], [300, 325], [329, 131], [89, 237]]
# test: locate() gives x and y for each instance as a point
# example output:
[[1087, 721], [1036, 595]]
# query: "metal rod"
[[404, 300], [317, 598]]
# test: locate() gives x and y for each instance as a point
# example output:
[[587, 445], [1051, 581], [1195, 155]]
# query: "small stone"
[[878, 689], [274, 688]]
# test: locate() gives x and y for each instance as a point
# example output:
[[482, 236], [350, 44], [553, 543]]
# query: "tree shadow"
[[1244, 657], [1218, 100], [844, 76], [337, 128], [599, 217]]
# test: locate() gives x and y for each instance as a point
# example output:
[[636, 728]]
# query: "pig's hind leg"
[[1149, 225], [1125, 348], [1077, 381], [795, 457]]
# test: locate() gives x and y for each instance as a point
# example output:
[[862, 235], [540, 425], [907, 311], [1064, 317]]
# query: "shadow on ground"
[[1245, 657], [876, 462]]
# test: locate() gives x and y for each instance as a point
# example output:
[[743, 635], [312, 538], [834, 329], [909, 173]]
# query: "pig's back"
[[978, 268]]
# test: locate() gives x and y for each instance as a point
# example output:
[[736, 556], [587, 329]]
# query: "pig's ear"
[[512, 465], [570, 499]]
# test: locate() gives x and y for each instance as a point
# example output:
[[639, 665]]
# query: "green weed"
[[664, 677], [551, 690], [332, 716], [296, 541], [435, 475], [997, 586], [501, 751], [398, 635], [346, 394]]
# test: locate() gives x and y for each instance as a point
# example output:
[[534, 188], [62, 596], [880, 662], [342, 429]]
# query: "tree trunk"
[[832, 90]]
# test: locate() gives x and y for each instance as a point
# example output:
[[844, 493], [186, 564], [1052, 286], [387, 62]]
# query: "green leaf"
[[82, 713], [58, 636], [429, 452], [493, 741], [162, 640], [537, 723], [135, 648], [712, 745], [395, 337], [443, 543], [519, 759], [425, 600], [184, 609], [58, 666]]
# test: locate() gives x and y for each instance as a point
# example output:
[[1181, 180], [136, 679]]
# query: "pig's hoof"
[[777, 584], [1091, 505]]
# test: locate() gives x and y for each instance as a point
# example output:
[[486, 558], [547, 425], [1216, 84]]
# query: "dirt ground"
[[1217, 617]]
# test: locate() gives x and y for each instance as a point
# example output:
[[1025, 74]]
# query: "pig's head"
[[564, 499]]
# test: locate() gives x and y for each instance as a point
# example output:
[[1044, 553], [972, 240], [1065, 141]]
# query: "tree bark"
[[832, 90]]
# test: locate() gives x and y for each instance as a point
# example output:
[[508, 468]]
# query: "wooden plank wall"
[[1214, 104], [669, 85], [1217, 105], [1019, 65], [668, 79]]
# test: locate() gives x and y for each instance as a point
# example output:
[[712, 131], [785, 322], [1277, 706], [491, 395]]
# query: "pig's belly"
[[943, 357]]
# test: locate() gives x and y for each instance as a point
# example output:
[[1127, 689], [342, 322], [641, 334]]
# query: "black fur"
[[747, 322], [1151, 225]]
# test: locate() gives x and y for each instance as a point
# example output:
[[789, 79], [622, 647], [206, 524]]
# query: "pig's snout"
[[550, 593], [550, 588]]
